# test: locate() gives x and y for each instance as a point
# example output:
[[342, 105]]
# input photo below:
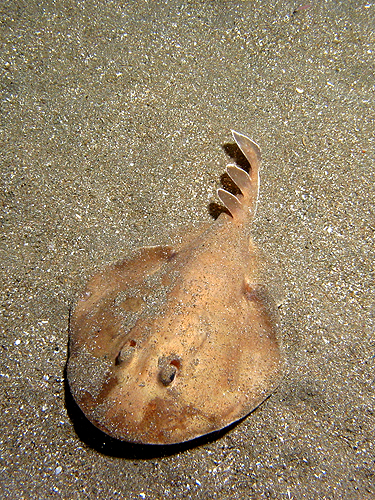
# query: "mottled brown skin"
[[168, 345]]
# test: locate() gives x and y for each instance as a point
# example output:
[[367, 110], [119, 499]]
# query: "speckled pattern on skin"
[[112, 117]]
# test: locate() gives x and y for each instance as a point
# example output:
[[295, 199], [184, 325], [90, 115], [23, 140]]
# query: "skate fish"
[[170, 344]]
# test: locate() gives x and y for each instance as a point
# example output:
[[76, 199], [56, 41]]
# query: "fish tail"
[[247, 183]]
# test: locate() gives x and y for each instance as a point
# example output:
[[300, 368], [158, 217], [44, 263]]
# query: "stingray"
[[170, 344]]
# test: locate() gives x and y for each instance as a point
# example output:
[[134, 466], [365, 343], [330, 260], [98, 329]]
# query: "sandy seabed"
[[114, 116]]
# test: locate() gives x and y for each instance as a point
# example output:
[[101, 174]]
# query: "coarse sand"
[[115, 116]]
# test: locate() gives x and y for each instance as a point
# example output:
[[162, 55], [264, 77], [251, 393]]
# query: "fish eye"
[[168, 367], [126, 353], [167, 374]]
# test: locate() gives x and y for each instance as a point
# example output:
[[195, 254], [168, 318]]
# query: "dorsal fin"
[[247, 183], [231, 202], [240, 177], [250, 149]]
